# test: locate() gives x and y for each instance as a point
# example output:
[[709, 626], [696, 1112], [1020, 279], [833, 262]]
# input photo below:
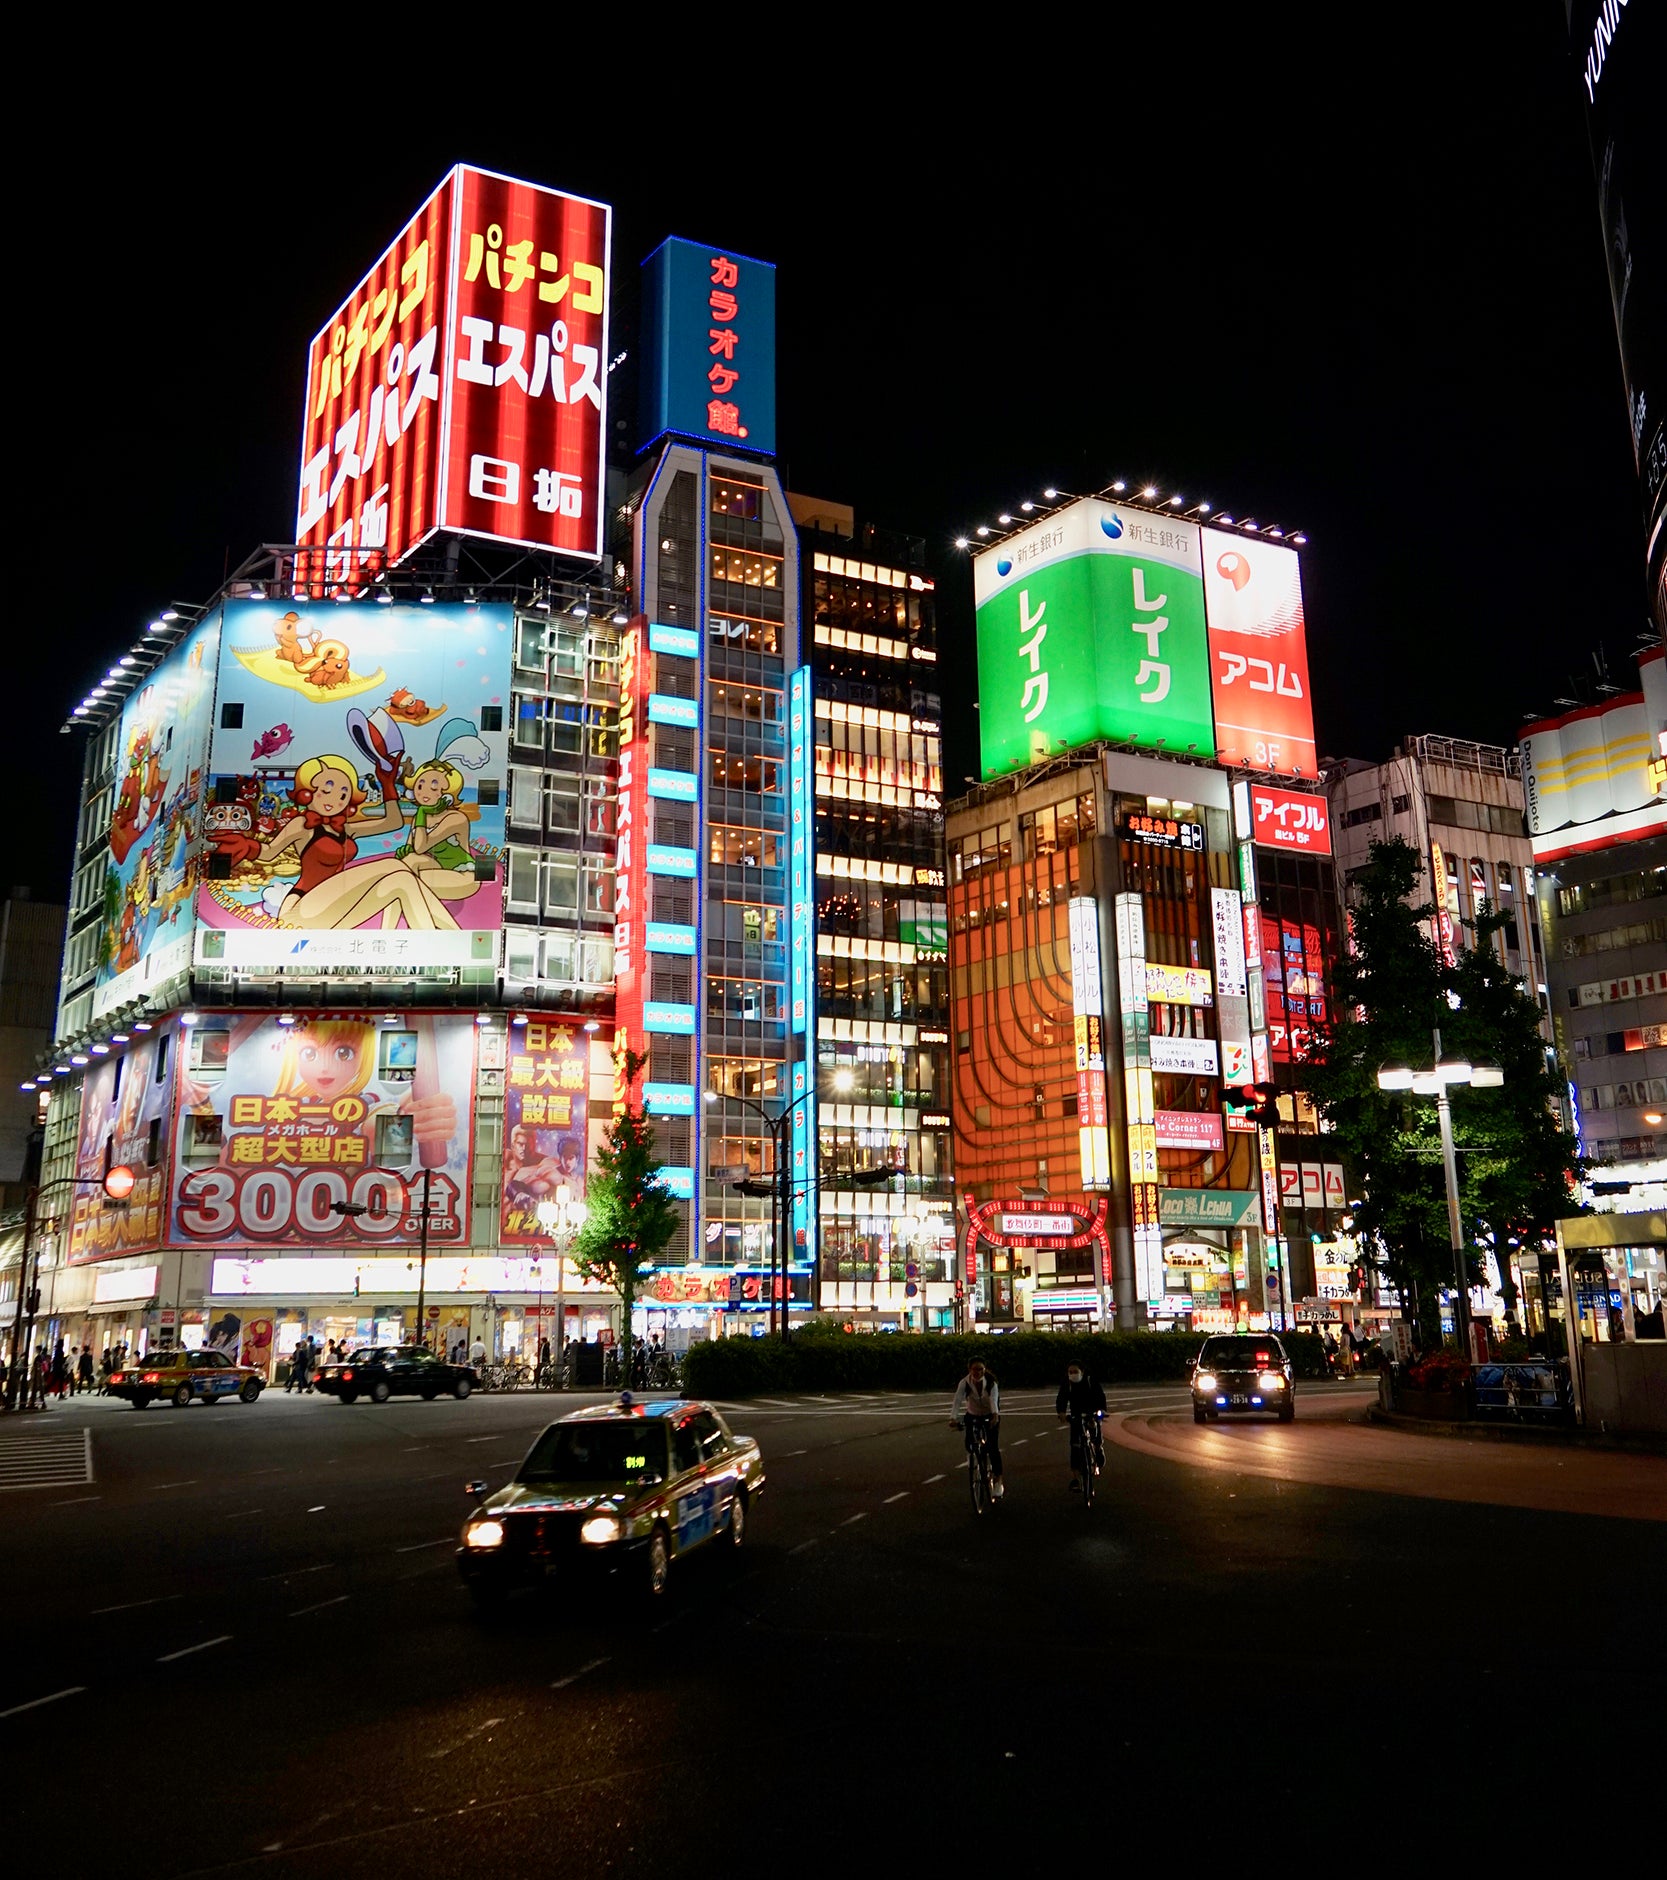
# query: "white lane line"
[[794, 1452], [318, 1510], [802, 1547], [133, 1605], [901, 1495], [573, 1677], [157, 1487], [412, 1450], [34, 1703], [290, 1573], [930, 1480], [416, 1547], [853, 1519], [75, 1501], [242, 1514], [1021, 1442], [483, 1439], [168, 1658], [491, 1723], [277, 1471], [340, 1599]]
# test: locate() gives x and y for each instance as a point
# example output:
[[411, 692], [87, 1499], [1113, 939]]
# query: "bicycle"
[[1087, 1452], [979, 1483]]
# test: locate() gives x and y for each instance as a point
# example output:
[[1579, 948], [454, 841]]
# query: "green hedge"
[[818, 1360]]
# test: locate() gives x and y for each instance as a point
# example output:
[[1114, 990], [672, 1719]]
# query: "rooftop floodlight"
[[1119, 485], [982, 529], [1150, 491], [1454, 1070], [1395, 1077], [1278, 534], [384, 598], [1027, 507], [170, 613], [1174, 502], [1300, 540], [1004, 519], [286, 1018], [427, 598], [1049, 496], [78, 1057], [1224, 517], [81, 711], [962, 542], [1486, 1077]]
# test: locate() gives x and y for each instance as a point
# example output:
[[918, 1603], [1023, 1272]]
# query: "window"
[[491, 718], [749, 999], [759, 704], [743, 848], [743, 1077], [210, 1048], [740, 771], [1362, 813], [231, 717], [393, 1141], [397, 1056]]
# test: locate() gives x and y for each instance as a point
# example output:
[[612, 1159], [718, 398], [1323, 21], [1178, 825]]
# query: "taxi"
[[625, 1488], [180, 1375]]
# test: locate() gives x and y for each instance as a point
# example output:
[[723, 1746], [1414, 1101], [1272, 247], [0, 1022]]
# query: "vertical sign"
[[1443, 907], [1139, 1114], [1232, 985], [545, 1105], [709, 346], [801, 831], [1270, 1180], [1258, 655], [630, 859], [1093, 1123]]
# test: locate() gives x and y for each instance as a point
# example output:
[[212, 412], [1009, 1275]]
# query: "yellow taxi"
[[180, 1375], [625, 1488]]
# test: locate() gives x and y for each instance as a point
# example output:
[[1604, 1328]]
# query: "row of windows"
[[1636, 933], [1644, 884], [746, 567], [560, 804], [839, 601], [566, 727], [879, 989], [1627, 1096], [729, 847], [559, 884], [1458, 813], [760, 704], [740, 770], [558, 959]]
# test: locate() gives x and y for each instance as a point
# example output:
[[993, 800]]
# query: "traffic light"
[[1259, 1102]]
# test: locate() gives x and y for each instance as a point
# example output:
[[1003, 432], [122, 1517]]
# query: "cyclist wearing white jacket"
[[978, 1401]]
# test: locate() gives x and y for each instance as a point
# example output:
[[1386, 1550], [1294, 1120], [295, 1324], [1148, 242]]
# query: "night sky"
[[1347, 286]]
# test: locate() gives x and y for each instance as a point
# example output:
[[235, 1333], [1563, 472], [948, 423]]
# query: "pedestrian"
[[59, 1370], [304, 1357], [84, 1369], [544, 1354], [477, 1352]]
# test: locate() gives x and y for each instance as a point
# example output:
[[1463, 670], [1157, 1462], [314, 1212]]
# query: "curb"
[[1564, 1438]]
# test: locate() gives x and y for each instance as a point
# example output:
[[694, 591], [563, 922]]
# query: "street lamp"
[[1436, 1082], [779, 1210], [560, 1220]]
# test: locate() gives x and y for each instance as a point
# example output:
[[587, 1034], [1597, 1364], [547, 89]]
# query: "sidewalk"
[[1567, 1436]]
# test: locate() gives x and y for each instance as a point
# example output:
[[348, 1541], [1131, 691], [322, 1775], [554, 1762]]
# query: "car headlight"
[[1205, 1380], [600, 1529], [1270, 1380], [484, 1534]]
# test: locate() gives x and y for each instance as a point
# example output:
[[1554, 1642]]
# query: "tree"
[[629, 1216], [1393, 990]]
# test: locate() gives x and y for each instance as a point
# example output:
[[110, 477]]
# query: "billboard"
[[277, 1122], [1091, 625], [545, 1116], [155, 825], [357, 773], [126, 1102], [709, 347], [463, 383], [1264, 719], [1594, 777]]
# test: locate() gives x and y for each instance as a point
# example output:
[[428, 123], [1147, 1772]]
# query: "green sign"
[[1091, 625], [1208, 1207]]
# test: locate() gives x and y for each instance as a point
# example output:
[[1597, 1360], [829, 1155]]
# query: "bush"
[[826, 1358]]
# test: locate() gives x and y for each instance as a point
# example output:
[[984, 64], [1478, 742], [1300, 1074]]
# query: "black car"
[[383, 1371], [1243, 1373]]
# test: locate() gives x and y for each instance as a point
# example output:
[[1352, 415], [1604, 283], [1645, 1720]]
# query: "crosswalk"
[[43, 1456], [927, 1404]]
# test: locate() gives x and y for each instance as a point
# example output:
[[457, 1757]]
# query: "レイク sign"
[[1284, 819], [463, 384]]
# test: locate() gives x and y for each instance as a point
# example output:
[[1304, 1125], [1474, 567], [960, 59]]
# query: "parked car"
[[383, 1371], [1243, 1373], [625, 1488], [180, 1375]]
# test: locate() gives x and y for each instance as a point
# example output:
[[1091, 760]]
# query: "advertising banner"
[[1207, 1207], [1189, 1129], [276, 1123], [1227, 916], [356, 784], [125, 1105], [1178, 985], [1588, 779], [545, 1116], [463, 383], [709, 346], [1284, 819], [1091, 625], [1258, 655], [1190, 1057], [156, 823]]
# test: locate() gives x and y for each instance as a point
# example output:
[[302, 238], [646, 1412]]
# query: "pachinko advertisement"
[[356, 784], [154, 826], [278, 1123], [545, 1114], [125, 1105]]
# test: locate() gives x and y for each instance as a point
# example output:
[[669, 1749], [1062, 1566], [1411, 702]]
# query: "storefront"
[[1048, 1265]]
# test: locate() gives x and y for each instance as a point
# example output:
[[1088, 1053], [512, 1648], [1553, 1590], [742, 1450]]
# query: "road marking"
[[483, 1439], [277, 1471], [901, 1495], [573, 1677], [801, 1548], [794, 1452], [157, 1487], [491, 1723], [340, 1599], [75, 1501], [34, 1703], [242, 1514], [416, 1547], [133, 1605], [290, 1573], [412, 1450], [318, 1510], [45, 1457], [930, 1480], [1021, 1442], [853, 1519], [168, 1658]]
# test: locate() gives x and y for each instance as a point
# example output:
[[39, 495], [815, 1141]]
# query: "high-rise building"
[[886, 1254]]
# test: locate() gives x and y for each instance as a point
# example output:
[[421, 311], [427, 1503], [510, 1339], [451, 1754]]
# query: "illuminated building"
[[882, 1004]]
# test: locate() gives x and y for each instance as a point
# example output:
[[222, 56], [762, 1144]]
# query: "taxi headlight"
[[600, 1529], [484, 1534], [1205, 1380], [1270, 1380]]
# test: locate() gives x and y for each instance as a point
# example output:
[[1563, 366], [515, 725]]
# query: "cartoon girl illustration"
[[529, 1174], [332, 888], [438, 845]]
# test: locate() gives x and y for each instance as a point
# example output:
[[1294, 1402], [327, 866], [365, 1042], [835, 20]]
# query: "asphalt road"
[[242, 1645]]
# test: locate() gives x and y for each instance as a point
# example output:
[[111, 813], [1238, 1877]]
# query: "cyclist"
[[1080, 1396], [978, 1400]]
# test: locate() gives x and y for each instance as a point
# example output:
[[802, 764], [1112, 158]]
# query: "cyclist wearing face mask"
[[1082, 1401]]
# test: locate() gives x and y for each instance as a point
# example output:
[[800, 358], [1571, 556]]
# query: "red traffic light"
[[118, 1182]]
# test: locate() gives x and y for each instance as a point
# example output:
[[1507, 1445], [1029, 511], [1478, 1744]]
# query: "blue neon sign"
[[659, 1015], [709, 343], [679, 786], [665, 710], [662, 936], [664, 861], [679, 1183], [669, 1099], [684, 642]]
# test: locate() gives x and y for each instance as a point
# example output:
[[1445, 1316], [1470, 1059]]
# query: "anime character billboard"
[[154, 826], [280, 1127], [125, 1105], [545, 1113], [357, 778]]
